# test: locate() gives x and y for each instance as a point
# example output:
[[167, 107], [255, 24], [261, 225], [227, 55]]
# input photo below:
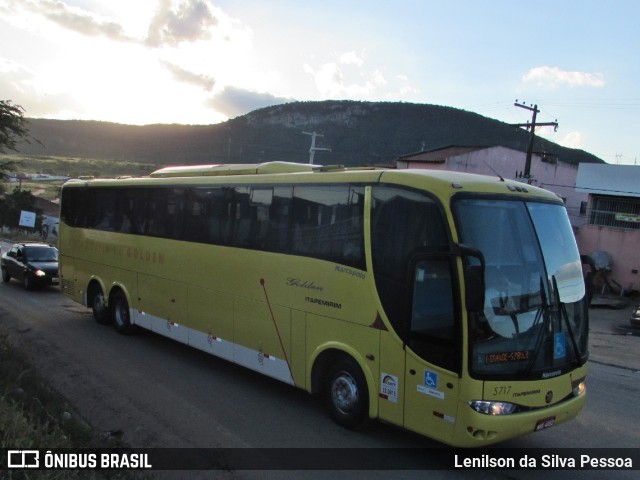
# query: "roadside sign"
[[27, 219]]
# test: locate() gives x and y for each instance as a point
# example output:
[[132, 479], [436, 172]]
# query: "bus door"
[[432, 349]]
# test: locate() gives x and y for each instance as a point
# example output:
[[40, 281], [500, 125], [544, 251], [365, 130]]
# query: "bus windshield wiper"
[[544, 312], [565, 316]]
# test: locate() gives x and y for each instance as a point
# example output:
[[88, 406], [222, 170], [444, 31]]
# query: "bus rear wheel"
[[346, 394], [120, 313]]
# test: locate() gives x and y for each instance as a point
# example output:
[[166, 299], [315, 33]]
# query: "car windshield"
[[534, 321], [41, 254]]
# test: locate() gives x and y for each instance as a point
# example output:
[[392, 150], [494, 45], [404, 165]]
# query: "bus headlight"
[[40, 273], [493, 408], [579, 389]]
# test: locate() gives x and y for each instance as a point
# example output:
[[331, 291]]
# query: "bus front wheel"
[[99, 306], [346, 394], [120, 313]]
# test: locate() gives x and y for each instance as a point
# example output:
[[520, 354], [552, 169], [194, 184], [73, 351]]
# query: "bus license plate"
[[545, 423]]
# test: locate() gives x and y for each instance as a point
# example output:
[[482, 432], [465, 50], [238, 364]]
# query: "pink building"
[[613, 218], [548, 172]]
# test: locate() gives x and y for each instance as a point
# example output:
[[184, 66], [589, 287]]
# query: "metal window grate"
[[614, 212]]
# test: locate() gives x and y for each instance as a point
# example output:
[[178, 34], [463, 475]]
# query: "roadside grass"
[[47, 190], [33, 415], [69, 166], [76, 167]]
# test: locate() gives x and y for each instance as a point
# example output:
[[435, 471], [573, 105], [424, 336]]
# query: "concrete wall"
[[622, 245]]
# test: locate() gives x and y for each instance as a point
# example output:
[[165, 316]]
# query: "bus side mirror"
[[474, 286]]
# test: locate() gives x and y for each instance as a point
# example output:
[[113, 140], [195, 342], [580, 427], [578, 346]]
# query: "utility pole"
[[313, 148], [532, 126]]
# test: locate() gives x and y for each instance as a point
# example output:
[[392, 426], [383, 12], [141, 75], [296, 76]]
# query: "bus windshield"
[[534, 322]]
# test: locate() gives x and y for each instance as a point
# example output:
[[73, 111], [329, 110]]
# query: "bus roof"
[[441, 180], [246, 169]]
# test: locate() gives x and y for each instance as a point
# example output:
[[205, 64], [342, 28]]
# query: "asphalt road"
[[163, 394]]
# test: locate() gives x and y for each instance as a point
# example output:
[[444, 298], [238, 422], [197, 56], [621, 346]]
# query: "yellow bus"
[[452, 305]]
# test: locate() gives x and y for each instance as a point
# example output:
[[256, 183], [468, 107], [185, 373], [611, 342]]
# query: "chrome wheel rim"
[[121, 315], [344, 392], [98, 304]]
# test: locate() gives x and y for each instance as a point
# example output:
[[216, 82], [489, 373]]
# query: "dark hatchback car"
[[34, 264]]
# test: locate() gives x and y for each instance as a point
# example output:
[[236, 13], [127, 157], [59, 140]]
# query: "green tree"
[[13, 203], [13, 127], [5, 168]]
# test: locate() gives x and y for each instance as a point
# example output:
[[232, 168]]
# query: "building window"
[[583, 208], [615, 212]]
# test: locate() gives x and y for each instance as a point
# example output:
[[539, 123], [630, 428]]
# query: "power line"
[[588, 188], [613, 104]]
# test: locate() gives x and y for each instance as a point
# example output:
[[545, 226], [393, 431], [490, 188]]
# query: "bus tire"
[[98, 305], [346, 393], [120, 313]]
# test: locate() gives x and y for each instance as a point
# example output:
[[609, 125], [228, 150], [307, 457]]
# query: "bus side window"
[[328, 223], [261, 201], [218, 216], [243, 218], [175, 213], [155, 214], [103, 209], [279, 220], [195, 222]]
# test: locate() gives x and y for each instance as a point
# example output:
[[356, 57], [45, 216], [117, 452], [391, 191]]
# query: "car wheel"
[[5, 275], [346, 394], [120, 314], [29, 282]]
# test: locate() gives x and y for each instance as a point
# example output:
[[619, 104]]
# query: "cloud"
[[76, 20], [330, 82], [346, 78], [17, 83], [185, 76], [351, 58], [378, 78], [185, 21], [174, 21], [234, 101], [573, 140], [556, 77]]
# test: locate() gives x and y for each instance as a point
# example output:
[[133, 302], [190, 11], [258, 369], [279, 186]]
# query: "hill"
[[358, 133]]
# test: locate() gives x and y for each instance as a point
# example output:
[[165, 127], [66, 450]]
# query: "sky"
[[202, 62]]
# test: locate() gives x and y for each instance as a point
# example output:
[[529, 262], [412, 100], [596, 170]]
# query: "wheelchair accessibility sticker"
[[431, 379], [430, 386], [559, 345]]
